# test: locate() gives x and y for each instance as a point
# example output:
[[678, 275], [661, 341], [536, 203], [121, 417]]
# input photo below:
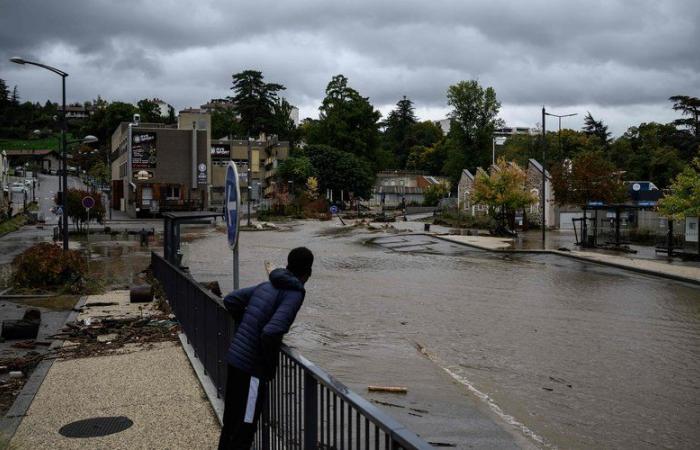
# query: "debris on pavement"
[[388, 389]]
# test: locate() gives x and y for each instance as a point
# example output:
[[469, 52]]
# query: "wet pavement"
[[573, 354]]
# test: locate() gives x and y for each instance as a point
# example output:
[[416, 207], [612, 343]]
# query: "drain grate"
[[96, 426]]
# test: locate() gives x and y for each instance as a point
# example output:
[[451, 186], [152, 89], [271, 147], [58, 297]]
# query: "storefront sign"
[[202, 173], [220, 152], [143, 151]]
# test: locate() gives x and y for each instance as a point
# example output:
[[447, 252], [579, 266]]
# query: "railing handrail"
[[399, 433]]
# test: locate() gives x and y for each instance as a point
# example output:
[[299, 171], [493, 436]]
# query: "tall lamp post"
[[496, 140], [544, 161], [64, 175]]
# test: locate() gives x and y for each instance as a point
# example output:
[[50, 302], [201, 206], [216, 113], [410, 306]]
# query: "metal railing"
[[306, 408]]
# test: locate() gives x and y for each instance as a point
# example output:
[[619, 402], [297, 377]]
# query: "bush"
[[46, 265]]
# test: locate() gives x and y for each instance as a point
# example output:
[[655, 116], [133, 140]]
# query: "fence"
[[306, 408]]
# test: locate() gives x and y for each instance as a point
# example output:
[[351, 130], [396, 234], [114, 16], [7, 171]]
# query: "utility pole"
[[250, 173], [544, 164]]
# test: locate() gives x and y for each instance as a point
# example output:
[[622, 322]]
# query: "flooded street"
[[573, 355]]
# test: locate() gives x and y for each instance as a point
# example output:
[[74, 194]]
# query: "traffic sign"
[[88, 202], [334, 209], [233, 195]]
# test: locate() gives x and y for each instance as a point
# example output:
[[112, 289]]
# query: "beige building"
[[157, 167], [266, 152]]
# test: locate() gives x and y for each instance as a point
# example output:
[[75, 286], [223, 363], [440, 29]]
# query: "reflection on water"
[[585, 356]]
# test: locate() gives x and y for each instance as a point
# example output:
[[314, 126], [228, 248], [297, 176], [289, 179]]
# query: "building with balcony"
[[266, 152]]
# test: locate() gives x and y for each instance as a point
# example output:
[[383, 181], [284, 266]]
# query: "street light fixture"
[[64, 176], [496, 140], [544, 161]]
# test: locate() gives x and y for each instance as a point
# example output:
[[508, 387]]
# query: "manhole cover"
[[97, 426]]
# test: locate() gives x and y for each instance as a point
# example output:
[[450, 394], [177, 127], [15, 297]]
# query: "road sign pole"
[[233, 197], [236, 274], [88, 240]]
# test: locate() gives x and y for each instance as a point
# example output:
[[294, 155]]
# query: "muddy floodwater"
[[571, 355]]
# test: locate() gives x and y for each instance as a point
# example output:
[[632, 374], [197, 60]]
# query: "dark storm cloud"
[[602, 53]]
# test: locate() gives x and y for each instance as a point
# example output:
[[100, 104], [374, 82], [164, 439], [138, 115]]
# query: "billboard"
[[143, 151], [220, 152]]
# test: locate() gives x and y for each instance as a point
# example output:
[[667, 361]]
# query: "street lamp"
[[559, 116], [64, 176], [544, 160], [496, 140]]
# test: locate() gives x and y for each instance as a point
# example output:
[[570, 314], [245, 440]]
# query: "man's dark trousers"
[[245, 396]]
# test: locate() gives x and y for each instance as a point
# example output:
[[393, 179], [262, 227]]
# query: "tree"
[[339, 170], [149, 110], [75, 209], [587, 177], [254, 101], [348, 122], [596, 128], [224, 122], [282, 123], [504, 191], [297, 169], [435, 192], [398, 136], [473, 121], [105, 119], [652, 151], [688, 106], [684, 199]]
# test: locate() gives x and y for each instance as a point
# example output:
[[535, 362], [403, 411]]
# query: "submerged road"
[[493, 348]]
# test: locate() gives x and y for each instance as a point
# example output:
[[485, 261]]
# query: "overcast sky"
[[620, 60]]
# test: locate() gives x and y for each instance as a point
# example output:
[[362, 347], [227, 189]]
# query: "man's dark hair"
[[299, 261]]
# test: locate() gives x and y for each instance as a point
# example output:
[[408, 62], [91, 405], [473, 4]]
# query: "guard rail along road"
[[306, 408]]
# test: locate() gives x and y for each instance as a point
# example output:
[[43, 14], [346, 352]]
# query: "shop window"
[[173, 193]]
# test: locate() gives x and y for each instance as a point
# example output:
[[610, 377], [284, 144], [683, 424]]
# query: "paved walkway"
[[153, 385], [660, 268]]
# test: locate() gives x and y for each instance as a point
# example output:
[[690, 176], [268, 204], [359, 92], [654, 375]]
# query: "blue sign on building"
[[233, 195]]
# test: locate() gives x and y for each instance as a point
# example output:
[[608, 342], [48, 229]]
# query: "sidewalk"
[[685, 273], [151, 384]]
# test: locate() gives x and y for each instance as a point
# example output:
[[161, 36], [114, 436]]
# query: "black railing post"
[[310, 412]]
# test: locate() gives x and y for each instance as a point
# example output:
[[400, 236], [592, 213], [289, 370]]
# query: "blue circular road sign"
[[334, 209], [88, 202], [233, 196]]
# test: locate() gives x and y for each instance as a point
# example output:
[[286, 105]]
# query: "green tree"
[[426, 133], [348, 122], [339, 170], [398, 136], [688, 106], [224, 123], [254, 101], [596, 128], [282, 123], [105, 119], [76, 211], [587, 177], [684, 199], [504, 191], [149, 110], [473, 121], [297, 169], [435, 192]]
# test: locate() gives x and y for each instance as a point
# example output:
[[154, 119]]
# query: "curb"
[[14, 416], [576, 257], [216, 402]]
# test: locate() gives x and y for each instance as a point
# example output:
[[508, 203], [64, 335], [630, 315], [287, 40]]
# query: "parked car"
[[28, 182], [18, 187]]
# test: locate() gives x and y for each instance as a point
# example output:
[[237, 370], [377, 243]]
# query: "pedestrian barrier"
[[306, 408]]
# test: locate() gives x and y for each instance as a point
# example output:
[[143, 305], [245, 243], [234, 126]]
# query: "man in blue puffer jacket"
[[263, 315]]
